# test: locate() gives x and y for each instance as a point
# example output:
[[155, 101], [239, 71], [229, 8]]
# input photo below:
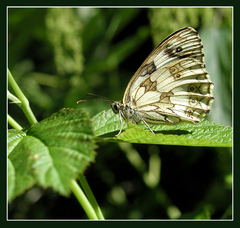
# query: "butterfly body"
[[128, 113]]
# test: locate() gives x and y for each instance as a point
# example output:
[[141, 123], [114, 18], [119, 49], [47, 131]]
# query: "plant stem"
[[77, 191], [90, 196], [13, 98], [13, 123], [25, 103]]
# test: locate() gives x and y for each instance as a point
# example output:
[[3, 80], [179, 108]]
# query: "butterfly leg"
[[148, 126], [120, 116]]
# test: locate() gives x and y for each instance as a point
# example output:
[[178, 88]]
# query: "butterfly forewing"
[[172, 85]]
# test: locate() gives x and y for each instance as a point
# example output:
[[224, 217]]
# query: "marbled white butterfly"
[[171, 86]]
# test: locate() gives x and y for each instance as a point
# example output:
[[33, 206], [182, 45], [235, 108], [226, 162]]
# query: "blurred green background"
[[57, 55]]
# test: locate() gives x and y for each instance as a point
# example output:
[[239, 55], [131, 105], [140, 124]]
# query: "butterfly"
[[171, 86]]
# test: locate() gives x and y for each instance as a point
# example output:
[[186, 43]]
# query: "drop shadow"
[[164, 132], [173, 132]]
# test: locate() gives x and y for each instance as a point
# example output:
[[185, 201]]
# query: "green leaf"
[[205, 133], [50, 153], [14, 137]]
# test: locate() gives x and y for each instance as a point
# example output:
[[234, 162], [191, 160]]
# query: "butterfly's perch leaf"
[[105, 122], [50, 153], [205, 133]]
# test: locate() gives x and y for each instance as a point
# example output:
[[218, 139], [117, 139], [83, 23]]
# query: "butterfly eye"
[[115, 107]]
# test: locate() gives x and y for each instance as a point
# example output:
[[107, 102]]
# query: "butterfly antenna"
[[91, 94], [108, 99]]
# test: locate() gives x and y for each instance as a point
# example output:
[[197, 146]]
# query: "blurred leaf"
[[205, 133], [64, 33], [217, 44], [51, 153], [177, 18]]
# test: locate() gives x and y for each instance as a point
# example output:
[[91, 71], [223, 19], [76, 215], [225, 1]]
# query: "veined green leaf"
[[205, 133], [50, 153]]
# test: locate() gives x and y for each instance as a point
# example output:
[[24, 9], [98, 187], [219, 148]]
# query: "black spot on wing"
[[178, 49], [176, 52]]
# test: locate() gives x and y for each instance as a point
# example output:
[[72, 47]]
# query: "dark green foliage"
[[57, 56]]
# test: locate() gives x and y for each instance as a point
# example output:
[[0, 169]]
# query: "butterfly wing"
[[172, 84]]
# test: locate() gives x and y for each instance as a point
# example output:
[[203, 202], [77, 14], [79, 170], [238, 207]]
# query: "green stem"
[[13, 98], [90, 196], [13, 123], [77, 191], [25, 103]]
